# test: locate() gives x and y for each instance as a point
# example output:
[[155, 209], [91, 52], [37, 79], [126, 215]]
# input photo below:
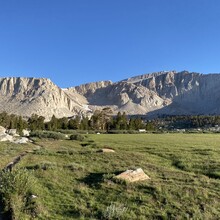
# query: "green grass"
[[74, 181], [8, 151]]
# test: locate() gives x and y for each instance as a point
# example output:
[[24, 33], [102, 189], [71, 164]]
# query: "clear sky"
[[78, 41]]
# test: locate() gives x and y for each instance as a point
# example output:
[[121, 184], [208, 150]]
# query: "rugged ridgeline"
[[25, 96], [157, 93]]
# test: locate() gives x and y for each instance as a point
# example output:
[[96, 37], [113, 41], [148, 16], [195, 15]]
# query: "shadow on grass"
[[181, 165], [212, 174], [42, 166], [71, 213], [4, 215], [95, 179], [148, 189]]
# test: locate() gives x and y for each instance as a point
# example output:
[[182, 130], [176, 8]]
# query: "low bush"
[[47, 134], [115, 211], [66, 131], [123, 132], [75, 166], [16, 191], [77, 137], [66, 152], [117, 132]]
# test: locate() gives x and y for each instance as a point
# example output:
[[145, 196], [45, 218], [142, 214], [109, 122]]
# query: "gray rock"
[[22, 140], [167, 92], [2, 130], [6, 137], [26, 133], [133, 175], [27, 96], [12, 131], [107, 150]]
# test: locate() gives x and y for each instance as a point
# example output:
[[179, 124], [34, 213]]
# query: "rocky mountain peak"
[[90, 88], [165, 92], [25, 96]]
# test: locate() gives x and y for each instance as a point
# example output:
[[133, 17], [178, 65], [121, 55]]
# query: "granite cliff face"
[[25, 96], [159, 93], [186, 93], [153, 94]]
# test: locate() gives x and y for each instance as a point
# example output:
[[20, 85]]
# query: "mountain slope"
[[152, 94], [25, 96], [159, 93]]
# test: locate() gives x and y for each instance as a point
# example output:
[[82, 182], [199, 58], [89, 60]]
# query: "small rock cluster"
[[12, 136]]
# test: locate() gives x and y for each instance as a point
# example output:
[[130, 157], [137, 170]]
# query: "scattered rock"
[[23, 140], [133, 175], [12, 136], [12, 131], [2, 130], [6, 137], [16, 135], [107, 150], [26, 133]]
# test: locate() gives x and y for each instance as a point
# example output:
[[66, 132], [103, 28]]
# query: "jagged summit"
[[91, 87], [25, 96], [147, 76], [165, 92]]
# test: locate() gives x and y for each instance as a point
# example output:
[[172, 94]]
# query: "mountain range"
[[166, 92]]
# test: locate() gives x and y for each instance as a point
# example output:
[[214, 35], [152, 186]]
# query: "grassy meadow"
[[72, 180]]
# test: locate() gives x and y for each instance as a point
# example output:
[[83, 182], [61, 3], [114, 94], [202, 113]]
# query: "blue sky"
[[78, 41]]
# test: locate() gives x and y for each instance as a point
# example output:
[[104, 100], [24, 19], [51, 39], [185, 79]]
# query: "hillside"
[[159, 93], [25, 96], [152, 94]]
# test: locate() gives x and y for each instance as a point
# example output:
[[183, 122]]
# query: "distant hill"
[[153, 94]]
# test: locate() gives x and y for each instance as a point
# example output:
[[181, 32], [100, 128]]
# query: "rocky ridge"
[[27, 96], [167, 92]]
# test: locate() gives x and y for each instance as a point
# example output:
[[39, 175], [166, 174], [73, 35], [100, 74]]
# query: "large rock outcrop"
[[153, 94], [167, 92], [25, 96]]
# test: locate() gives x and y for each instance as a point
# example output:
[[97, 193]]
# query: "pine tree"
[[20, 125], [74, 123]]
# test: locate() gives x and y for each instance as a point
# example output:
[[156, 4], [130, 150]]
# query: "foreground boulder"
[[6, 137], [12, 132], [133, 175], [12, 136], [2, 130], [22, 140]]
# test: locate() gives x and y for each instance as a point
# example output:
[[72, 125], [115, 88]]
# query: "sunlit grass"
[[75, 181]]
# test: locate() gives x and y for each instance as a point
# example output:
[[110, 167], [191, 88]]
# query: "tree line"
[[105, 121], [100, 120]]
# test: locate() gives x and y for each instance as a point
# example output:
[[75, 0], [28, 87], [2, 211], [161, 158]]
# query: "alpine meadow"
[[109, 110]]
